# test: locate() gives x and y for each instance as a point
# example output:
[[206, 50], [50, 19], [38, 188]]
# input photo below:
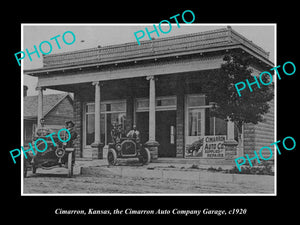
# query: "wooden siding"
[[59, 114], [259, 135]]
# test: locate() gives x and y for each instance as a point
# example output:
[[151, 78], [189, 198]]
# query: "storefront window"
[[204, 134], [161, 103], [197, 100], [109, 119], [113, 106], [111, 112], [195, 122], [217, 126]]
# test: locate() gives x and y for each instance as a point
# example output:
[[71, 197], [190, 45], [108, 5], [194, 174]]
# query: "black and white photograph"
[[169, 112], [149, 113]]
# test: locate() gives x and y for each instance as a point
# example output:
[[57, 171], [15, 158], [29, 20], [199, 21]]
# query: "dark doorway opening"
[[165, 131]]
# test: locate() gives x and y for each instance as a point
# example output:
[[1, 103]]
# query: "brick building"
[[157, 86]]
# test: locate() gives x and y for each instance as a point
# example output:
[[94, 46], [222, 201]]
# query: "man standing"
[[71, 128]]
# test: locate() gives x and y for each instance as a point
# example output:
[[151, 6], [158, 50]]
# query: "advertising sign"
[[207, 147]]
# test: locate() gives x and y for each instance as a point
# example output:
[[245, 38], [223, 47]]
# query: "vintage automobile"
[[54, 156], [195, 148], [127, 148]]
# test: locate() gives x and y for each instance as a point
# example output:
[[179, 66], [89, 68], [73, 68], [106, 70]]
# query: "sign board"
[[207, 147]]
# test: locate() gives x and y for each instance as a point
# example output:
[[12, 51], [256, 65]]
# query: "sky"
[[92, 35]]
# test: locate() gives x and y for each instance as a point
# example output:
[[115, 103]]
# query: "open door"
[[165, 131]]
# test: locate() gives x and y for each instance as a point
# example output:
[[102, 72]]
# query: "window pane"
[[109, 124], [160, 102], [211, 126], [102, 107], [108, 107], [118, 106], [166, 102], [90, 107], [142, 103], [90, 129], [196, 100], [220, 127], [114, 107], [192, 123], [199, 125], [102, 128]]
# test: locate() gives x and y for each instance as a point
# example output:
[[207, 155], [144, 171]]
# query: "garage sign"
[[213, 146], [207, 147]]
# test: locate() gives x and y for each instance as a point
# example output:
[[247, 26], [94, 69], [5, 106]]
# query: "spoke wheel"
[[112, 157], [146, 157]]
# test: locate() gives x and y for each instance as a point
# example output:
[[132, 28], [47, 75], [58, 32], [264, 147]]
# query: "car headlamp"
[[59, 152], [118, 147]]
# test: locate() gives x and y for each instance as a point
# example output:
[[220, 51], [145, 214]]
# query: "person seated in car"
[[115, 133], [134, 133], [42, 130]]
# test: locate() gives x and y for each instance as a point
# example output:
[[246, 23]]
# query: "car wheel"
[[194, 153], [33, 169], [146, 156], [70, 165], [112, 157]]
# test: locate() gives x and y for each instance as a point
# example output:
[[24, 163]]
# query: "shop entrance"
[[165, 131]]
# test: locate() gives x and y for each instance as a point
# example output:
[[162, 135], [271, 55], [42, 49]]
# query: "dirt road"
[[92, 182]]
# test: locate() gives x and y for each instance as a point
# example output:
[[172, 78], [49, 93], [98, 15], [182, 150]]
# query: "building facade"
[[157, 86], [57, 109]]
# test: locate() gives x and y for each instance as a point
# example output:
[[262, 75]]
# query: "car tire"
[[112, 157], [34, 169], [194, 153], [146, 156]]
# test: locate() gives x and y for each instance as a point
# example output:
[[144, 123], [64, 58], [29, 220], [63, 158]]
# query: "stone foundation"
[[97, 150], [153, 148], [230, 149]]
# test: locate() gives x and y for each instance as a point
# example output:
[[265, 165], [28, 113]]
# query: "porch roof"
[[201, 42]]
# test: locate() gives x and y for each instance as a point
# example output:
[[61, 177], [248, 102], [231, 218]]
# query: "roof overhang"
[[215, 42], [62, 69]]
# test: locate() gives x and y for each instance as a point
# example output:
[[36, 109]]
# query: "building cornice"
[[177, 46]]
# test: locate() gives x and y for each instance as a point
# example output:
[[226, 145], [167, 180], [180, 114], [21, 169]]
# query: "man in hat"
[[71, 127], [42, 130], [116, 132]]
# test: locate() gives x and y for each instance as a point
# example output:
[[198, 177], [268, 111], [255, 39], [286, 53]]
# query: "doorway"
[[165, 131]]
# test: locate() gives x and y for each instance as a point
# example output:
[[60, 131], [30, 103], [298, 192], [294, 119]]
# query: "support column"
[[97, 145], [230, 130], [151, 108], [230, 143], [180, 142], [40, 105], [151, 143]]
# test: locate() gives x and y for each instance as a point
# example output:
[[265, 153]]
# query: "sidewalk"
[[130, 177]]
